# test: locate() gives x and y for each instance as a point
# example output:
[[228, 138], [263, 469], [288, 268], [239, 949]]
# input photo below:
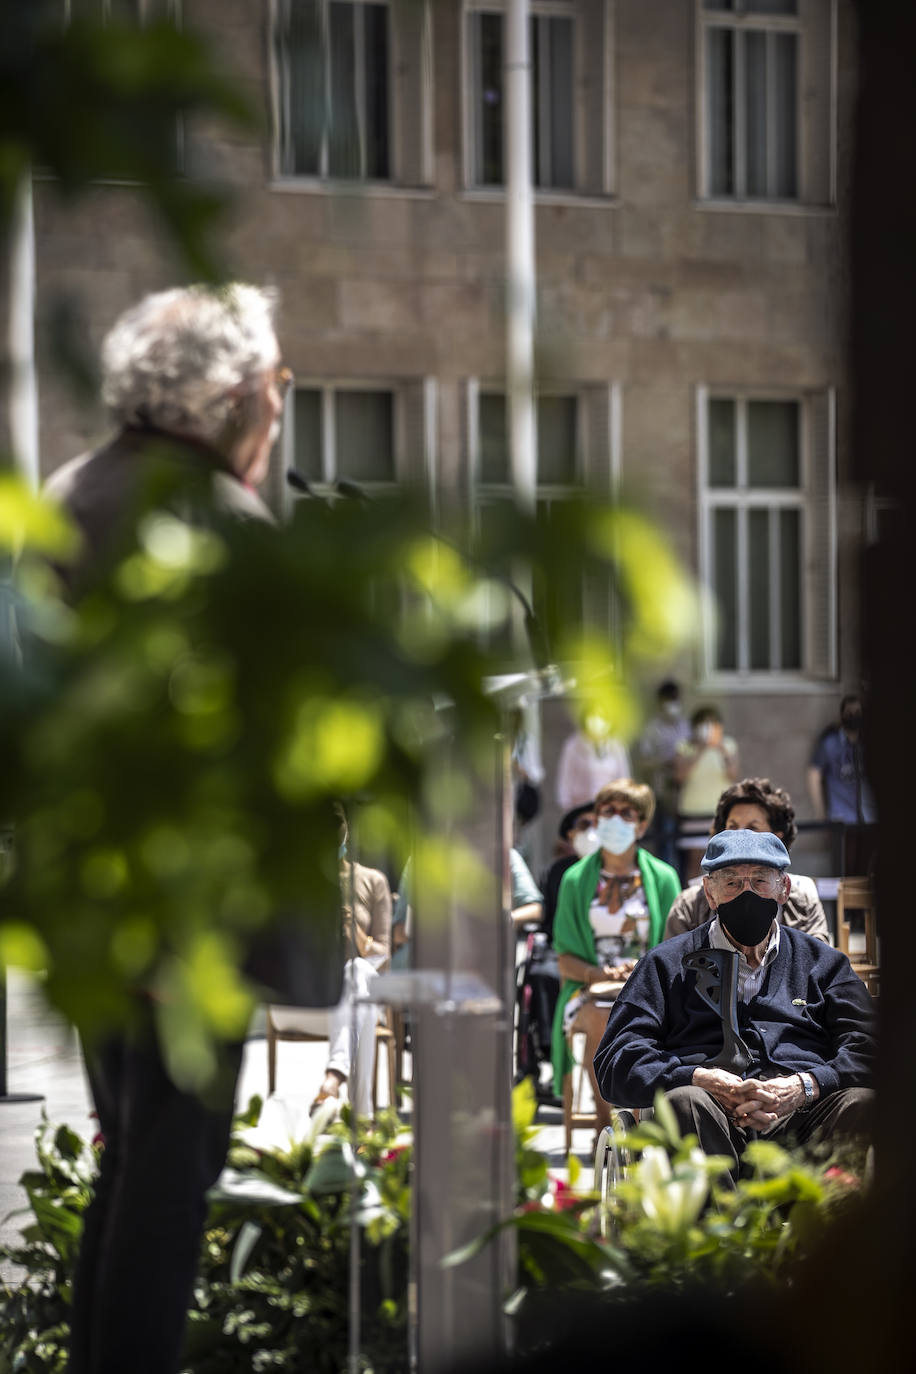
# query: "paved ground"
[[43, 1058]]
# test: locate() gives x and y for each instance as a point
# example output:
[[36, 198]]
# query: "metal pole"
[[21, 338], [23, 437], [520, 273]]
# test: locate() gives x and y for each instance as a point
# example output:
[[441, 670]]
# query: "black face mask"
[[851, 720], [748, 917]]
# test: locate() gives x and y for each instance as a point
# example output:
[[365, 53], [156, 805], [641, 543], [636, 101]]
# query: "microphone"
[[351, 490], [295, 480]]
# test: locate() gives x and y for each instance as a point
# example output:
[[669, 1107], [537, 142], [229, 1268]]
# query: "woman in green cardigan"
[[611, 908]]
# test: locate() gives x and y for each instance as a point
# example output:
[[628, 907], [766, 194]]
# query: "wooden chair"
[[293, 1028], [575, 1085], [857, 894]]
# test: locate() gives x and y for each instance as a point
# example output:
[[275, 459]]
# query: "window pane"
[[720, 114], [343, 136], [557, 440], [721, 443], [302, 99], [759, 580], [552, 100], [488, 47], [365, 435], [790, 590], [725, 587], [771, 6], [307, 447], [784, 54], [376, 78], [755, 113], [494, 443], [772, 443]]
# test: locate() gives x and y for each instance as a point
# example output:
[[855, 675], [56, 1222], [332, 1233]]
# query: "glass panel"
[[718, 4], [540, 99], [772, 444], [771, 6], [557, 600], [365, 435], [755, 112], [557, 440], [725, 587], [489, 154], [376, 79], [560, 66], [301, 61], [790, 590], [343, 136], [784, 57], [307, 446], [759, 586], [720, 113], [494, 441], [721, 443]]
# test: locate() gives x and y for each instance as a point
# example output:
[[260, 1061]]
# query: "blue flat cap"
[[744, 847]]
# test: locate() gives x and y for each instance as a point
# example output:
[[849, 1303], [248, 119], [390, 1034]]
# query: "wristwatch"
[[807, 1083]]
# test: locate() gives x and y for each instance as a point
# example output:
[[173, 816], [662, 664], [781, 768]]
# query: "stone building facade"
[[693, 164]]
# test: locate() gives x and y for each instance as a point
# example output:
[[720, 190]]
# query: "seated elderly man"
[[802, 1013]]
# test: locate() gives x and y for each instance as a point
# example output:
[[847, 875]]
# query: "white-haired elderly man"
[[804, 1017], [193, 382]]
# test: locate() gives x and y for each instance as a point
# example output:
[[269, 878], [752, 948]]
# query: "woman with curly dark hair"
[[755, 804]]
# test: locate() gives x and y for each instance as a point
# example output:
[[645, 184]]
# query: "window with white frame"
[[571, 120], [373, 434], [767, 533], [343, 433], [138, 13], [577, 436], [767, 99], [332, 70], [751, 55]]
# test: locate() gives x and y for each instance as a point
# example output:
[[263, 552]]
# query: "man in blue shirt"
[[803, 1014]]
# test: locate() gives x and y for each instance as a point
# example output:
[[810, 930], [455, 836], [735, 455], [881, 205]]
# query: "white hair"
[[174, 360]]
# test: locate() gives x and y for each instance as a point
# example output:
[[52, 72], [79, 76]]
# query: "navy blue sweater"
[[812, 1012]]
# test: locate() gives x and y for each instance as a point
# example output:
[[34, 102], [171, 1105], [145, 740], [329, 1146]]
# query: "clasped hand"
[[751, 1102]]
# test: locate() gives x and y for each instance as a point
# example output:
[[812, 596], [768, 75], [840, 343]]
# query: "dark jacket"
[[108, 491], [812, 1012]]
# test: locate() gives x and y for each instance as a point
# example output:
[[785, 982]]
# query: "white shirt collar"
[[719, 940]]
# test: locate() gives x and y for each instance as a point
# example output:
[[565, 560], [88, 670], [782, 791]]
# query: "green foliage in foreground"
[[172, 748], [273, 1284], [272, 1291], [670, 1224]]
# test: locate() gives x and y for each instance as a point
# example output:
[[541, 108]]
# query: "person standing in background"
[[656, 753], [590, 758], [705, 764], [839, 788]]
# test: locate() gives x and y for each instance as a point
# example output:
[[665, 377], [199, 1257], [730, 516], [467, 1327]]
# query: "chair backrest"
[[857, 894]]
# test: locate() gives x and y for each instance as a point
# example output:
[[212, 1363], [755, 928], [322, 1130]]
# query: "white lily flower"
[[673, 1203], [286, 1121]]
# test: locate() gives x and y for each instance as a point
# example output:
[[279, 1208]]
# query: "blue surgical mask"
[[342, 850], [615, 834]]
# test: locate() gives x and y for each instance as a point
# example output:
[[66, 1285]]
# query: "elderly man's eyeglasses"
[[626, 813], [283, 379], [765, 882]]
